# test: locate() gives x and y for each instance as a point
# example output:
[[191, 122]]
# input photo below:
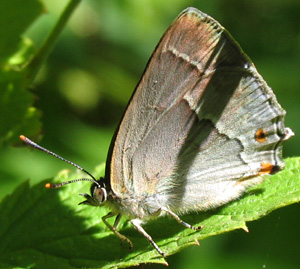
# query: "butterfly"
[[201, 127]]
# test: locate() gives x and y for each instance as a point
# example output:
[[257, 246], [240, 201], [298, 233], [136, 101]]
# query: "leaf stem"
[[35, 64]]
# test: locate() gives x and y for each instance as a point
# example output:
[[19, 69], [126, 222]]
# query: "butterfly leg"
[[137, 224], [179, 220], [114, 228]]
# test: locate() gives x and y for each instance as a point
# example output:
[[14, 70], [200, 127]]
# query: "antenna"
[[58, 185]]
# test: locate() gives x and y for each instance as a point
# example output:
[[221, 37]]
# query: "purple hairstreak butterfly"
[[201, 127]]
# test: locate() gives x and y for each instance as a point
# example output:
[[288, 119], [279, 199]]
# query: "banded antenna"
[[58, 185]]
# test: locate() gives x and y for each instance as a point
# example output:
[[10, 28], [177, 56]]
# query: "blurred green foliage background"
[[84, 87]]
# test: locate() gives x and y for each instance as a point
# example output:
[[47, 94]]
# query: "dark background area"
[[89, 77]]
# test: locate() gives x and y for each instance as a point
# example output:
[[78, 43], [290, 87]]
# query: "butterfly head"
[[98, 195]]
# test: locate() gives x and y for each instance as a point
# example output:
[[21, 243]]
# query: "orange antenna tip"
[[48, 185], [22, 137]]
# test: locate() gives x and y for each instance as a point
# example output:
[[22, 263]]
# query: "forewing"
[[195, 116]]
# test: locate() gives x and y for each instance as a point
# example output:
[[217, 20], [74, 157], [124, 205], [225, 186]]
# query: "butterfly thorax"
[[132, 207]]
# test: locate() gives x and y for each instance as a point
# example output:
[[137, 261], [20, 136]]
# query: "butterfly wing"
[[202, 124]]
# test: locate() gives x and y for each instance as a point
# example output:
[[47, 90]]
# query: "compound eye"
[[100, 194]]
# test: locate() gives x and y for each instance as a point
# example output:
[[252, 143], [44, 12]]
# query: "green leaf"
[[15, 18], [17, 115], [45, 228]]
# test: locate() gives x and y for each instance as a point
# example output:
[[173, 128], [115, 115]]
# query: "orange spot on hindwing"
[[266, 168], [260, 136]]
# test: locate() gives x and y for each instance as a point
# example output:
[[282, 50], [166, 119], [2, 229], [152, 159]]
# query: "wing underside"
[[193, 120]]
